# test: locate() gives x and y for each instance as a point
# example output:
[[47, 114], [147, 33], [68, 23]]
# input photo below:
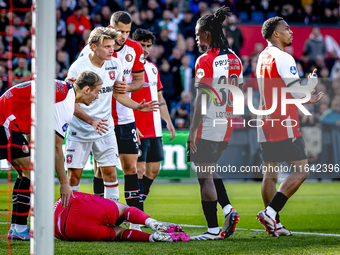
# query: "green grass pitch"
[[315, 208]]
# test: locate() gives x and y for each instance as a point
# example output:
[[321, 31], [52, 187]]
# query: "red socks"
[[136, 216], [135, 235]]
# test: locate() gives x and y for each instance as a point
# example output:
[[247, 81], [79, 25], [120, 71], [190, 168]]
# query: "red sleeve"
[[204, 68], [61, 91], [70, 19], [138, 65]]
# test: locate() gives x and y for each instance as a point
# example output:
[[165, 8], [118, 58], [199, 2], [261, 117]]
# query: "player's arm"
[[99, 125], [65, 189], [125, 100], [196, 120], [138, 82], [165, 115]]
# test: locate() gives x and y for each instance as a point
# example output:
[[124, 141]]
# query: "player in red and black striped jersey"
[[149, 124], [15, 120], [280, 135], [206, 142]]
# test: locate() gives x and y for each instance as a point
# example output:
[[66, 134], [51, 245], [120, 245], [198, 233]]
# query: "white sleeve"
[[73, 72], [85, 51], [286, 67], [120, 70]]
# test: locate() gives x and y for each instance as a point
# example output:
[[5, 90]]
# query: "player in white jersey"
[[206, 142], [149, 124], [15, 121], [82, 138], [130, 53], [276, 69]]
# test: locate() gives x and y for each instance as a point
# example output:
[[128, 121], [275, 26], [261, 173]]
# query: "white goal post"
[[43, 134]]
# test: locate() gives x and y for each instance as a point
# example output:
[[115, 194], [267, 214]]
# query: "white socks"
[[271, 212], [227, 209], [148, 221], [75, 188], [111, 190], [20, 228], [214, 231]]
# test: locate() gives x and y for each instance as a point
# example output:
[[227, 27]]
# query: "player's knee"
[[74, 179], [130, 170]]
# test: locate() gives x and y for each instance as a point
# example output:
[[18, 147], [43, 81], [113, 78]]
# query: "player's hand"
[[316, 98], [100, 126], [65, 194], [120, 86], [70, 80], [139, 134], [148, 107], [191, 143], [171, 129]]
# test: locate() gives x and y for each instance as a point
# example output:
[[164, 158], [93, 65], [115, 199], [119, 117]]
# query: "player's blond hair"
[[99, 34]]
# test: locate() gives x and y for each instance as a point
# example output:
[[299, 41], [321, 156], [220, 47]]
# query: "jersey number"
[[134, 132], [223, 80]]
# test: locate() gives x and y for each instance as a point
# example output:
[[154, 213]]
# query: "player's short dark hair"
[[87, 78], [143, 35], [213, 24], [269, 26], [120, 16]]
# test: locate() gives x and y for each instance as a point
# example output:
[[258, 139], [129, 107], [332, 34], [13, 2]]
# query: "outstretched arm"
[[125, 100], [65, 188]]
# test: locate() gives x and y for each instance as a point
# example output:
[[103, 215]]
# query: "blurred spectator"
[[176, 15], [175, 59], [155, 8], [17, 27], [252, 81], [164, 41], [74, 42], [332, 116], [335, 72], [22, 4], [3, 61], [65, 10], [315, 45], [136, 22], [61, 24], [328, 16], [185, 74], [3, 80], [181, 113], [97, 20], [150, 23], [191, 50], [235, 32], [330, 61], [80, 21], [62, 60], [153, 55], [309, 17], [169, 24], [21, 70], [4, 21], [86, 36], [28, 21], [105, 16], [69, 3], [15, 41], [3, 88], [202, 10], [171, 90], [187, 26], [289, 14]]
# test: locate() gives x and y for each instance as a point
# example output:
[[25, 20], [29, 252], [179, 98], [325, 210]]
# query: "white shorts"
[[104, 150]]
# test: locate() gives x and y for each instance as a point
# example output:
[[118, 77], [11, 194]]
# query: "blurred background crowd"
[[175, 51]]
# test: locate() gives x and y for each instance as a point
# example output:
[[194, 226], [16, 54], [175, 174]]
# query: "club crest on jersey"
[[129, 57], [200, 73], [25, 149], [112, 75], [141, 59], [69, 158], [293, 70], [154, 71], [65, 126]]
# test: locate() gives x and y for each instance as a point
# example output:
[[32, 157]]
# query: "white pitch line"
[[261, 230], [248, 229]]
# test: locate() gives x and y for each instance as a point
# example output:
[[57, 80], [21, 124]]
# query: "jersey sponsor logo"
[[112, 75], [229, 61], [24, 85], [59, 87], [65, 126], [142, 59], [149, 84], [69, 158], [154, 71], [200, 73], [129, 57], [25, 149], [126, 72], [110, 68], [293, 70], [106, 90]]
